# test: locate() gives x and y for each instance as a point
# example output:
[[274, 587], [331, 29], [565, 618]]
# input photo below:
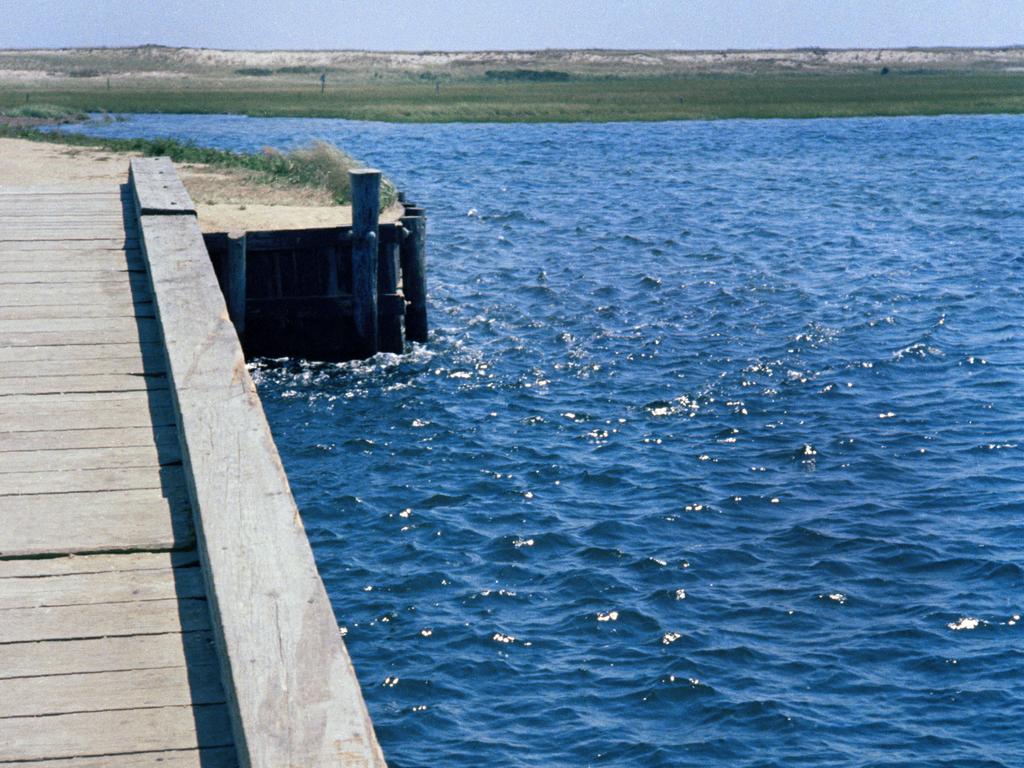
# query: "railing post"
[[365, 185], [234, 281], [414, 277]]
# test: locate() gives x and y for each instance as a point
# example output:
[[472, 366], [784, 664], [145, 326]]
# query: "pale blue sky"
[[511, 24]]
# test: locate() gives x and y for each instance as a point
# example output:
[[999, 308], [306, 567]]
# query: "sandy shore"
[[225, 201]]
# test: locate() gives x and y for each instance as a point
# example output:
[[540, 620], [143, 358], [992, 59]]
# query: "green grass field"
[[582, 98]]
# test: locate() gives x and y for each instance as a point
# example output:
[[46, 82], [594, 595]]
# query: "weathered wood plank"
[[141, 309], [49, 385], [69, 565], [69, 460], [149, 352], [76, 190], [113, 260], [99, 400], [145, 334], [24, 625], [115, 299], [219, 757], [113, 366], [179, 687], [162, 440], [54, 228], [42, 412], [293, 695], [91, 480], [115, 732], [94, 383], [54, 277], [63, 590], [108, 521], [104, 654], [40, 294], [52, 325], [157, 189], [70, 244]]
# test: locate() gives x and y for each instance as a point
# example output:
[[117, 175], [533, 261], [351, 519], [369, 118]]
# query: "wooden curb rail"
[[293, 697]]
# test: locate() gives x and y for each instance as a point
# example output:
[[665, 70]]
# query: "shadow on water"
[[213, 730]]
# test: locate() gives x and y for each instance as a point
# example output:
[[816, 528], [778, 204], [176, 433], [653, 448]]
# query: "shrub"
[[531, 75]]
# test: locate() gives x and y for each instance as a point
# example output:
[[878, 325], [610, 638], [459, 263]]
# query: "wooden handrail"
[[292, 694]]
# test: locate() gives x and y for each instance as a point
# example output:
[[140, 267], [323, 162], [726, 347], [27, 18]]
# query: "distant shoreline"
[[520, 86]]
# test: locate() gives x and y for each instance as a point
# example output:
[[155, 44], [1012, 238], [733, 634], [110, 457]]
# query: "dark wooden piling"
[[365, 185], [414, 276], [392, 338], [234, 281]]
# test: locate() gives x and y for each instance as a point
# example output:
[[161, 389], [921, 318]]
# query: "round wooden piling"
[[234, 282], [390, 322], [365, 185], [414, 277]]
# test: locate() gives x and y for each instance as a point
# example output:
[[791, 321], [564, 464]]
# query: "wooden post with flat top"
[[414, 276], [365, 185], [234, 283]]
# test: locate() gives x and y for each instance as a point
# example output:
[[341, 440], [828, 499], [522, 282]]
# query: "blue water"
[[714, 457]]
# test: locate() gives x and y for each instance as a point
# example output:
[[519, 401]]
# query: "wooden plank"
[[41, 415], [70, 244], [220, 757], [49, 385], [54, 228], [113, 260], [161, 440], [99, 400], [68, 460], [107, 521], [180, 687], [114, 366], [144, 331], [42, 294], [50, 325], [148, 353], [141, 309], [49, 482], [292, 693], [157, 190], [23, 625], [68, 565], [145, 334], [104, 654], [64, 590], [42, 255], [76, 190], [54, 277], [116, 732]]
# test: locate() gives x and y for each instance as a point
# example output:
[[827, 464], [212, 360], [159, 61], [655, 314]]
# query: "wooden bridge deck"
[[159, 603], [105, 659]]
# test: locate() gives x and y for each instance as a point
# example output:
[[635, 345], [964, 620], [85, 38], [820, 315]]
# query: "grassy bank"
[[318, 165], [578, 98]]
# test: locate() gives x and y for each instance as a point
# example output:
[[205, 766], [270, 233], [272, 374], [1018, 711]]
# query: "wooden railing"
[[293, 697]]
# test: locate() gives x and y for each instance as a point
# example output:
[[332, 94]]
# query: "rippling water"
[[714, 457]]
